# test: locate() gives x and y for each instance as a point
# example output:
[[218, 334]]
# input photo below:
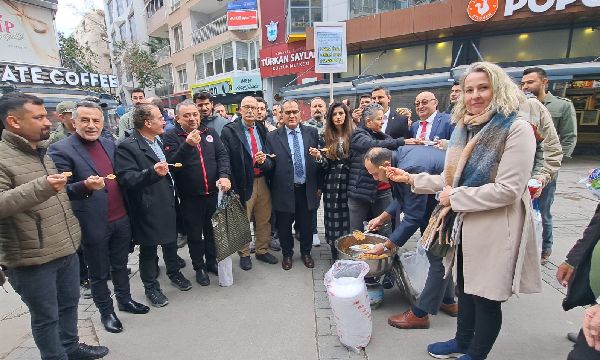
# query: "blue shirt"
[[155, 146], [256, 136], [297, 180]]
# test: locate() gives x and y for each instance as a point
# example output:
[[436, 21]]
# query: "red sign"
[[242, 20], [482, 10], [285, 59]]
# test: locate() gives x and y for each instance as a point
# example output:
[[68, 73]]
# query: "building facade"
[[409, 46], [91, 31], [208, 45]]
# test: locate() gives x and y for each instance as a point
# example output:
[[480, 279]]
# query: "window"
[[370, 7], [122, 32], [525, 47], [302, 13], [218, 56], [119, 7], [243, 59], [586, 42], [439, 55], [175, 4], [253, 58], [199, 60], [109, 6], [182, 79], [132, 28], [178, 36], [210, 64], [394, 60], [228, 57]]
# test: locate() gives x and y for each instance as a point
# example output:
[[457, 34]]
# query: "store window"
[[586, 42], [525, 46], [178, 36], [394, 60], [353, 66], [302, 14], [182, 79], [132, 28], [439, 55]]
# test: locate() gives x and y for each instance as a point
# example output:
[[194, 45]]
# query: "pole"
[[330, 88]]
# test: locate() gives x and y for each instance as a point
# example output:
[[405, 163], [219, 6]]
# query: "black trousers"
[[197, 213], [582, 351], [436, 287], [148, 268], [479, 319], [108, 260], [303, 218], [84, 277]]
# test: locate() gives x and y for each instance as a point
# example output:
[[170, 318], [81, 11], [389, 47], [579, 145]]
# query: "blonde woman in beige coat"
[[483, 222]]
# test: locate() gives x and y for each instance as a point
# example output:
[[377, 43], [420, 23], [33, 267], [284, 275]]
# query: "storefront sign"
[[330, 47], [241, 5], [285, 59], [25, 74], [217, 87], [27, 34], [247, 83], [482, 10], [242, 20]]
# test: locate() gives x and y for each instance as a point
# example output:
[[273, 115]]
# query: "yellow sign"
[[216, 87]]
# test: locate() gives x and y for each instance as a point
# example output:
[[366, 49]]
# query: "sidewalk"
[[273, 314]]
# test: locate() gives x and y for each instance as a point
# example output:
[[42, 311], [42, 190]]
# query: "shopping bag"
[[226, 272], [347, 293], [231, 227], [416, 268]]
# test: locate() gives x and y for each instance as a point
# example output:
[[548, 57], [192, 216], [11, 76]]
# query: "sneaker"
[[181, 240], [245, 263], [268, 258], [181, 262], [88, 352], [316, 240], [465, 357], [445, 350], [180, 282], [388, 281], [275, 245], [545, 256], [157, 298]]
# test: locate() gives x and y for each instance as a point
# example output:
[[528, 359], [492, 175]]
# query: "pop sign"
[[482, 10]]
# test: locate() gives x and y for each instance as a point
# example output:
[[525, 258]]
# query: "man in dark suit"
[[246, 142], [394, 125], [143, 172], [431, 123], [100, 208], [438, 293], [294, 171]]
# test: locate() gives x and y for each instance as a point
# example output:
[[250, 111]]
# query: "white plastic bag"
[[416, 267], [226, 272], [537, 221], [347, 293]]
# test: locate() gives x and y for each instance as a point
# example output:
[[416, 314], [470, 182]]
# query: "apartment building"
[[91, 31], [125, 21], [203, 51]]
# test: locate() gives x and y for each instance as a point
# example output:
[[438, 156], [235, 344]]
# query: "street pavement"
[[273, 314]]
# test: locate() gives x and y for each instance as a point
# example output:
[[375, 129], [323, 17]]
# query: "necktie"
[[298, 168], [423, 130], [254, 149]]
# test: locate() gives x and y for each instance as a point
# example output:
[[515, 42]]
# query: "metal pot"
[[376, 267]]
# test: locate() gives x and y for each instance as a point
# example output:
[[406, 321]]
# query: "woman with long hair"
[[483, 223], [338, 127]]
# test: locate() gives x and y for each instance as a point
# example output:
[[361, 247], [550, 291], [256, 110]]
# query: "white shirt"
[[386, 115], [429, 126]]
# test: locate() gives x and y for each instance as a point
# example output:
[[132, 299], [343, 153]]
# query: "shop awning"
[[556, 72]]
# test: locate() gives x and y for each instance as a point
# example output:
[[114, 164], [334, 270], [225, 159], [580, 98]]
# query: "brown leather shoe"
[[308, 261], [408, 320], [450, 309], [286, 263]]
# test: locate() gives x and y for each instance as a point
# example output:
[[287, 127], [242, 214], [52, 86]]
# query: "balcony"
[[162, 53], [210, 30], [156, 15]]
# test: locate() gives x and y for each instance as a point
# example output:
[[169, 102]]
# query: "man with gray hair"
[[99, 206]]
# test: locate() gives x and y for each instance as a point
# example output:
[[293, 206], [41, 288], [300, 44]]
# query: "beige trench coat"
[[500, 255]]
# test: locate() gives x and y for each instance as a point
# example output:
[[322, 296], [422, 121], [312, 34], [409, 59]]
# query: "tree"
[[75, 55], [138, 62]]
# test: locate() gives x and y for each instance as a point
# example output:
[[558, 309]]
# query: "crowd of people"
[[75, 201]]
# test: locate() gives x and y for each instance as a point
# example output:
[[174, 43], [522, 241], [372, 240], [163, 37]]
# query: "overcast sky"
[[70, 12]]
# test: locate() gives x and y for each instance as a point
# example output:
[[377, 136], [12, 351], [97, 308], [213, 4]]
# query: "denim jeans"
[[361, 210], [51, 293], [545, 201]]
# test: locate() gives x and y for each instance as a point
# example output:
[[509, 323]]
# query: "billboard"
[[27, 34], [330, 47], [242, 20]]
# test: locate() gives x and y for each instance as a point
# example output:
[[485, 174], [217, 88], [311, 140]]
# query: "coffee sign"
[[26, 74]]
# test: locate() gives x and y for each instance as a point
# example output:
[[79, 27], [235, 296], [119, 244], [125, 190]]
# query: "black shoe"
[[180, 282], [181, 262], [245, 263], [156, 297], [267, 257], [133, 307], [112, 323], [88, 352], [388, 281], [212, 268], [202, 277]]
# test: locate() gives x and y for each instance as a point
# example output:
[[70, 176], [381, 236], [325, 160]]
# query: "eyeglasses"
[[249, 107], [423, 102], [291, 112]]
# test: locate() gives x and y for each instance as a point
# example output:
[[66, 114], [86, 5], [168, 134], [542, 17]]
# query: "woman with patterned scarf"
[[483, 224]]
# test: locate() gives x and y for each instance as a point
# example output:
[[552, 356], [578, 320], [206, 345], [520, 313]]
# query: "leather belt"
[[299, 185]]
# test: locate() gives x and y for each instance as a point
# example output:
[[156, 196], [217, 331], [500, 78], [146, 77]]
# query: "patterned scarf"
[[474, 153]]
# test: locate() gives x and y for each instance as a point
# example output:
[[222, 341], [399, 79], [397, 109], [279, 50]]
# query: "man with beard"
[[64, 111], [40, 234], [204, 102], [455, 92], [535, 81], [261, 114], [394, 124], [138, 96]]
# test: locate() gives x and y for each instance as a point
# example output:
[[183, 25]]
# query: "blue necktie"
[[298, 168]]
